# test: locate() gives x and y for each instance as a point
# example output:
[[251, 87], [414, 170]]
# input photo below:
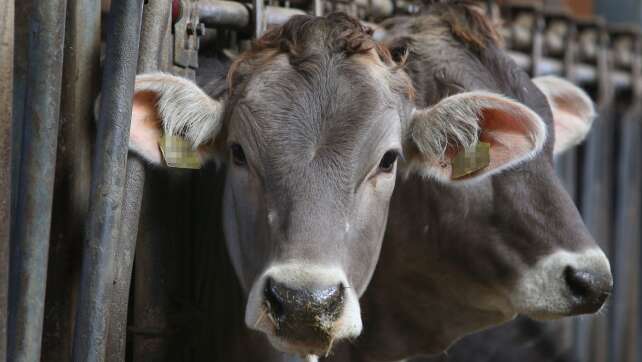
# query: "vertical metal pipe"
[[259, 18], [318, 7], [627, 239], [105, 210], [73, 174], [156, 21], [6, 103], [151, 307], [22, 11], [117, 333], [34, 199], [591, 333]]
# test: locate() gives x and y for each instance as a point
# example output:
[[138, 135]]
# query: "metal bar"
[[73, 175], [151, 285], [584, 73], [6, 103], [21, 20], [105, 212], [596, 207], [627, 238], [259, 18], [151, 303], [35, 195], [218, 13], [117, 335], [156, 22], [318, 7], [228, 14]]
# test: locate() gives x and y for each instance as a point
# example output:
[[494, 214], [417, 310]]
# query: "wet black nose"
[[590, 289], [303, 314]]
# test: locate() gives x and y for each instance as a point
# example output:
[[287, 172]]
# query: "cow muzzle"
[[303, 310], [565, 284]]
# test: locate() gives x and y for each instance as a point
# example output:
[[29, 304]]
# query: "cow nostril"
[[579, 282], [275, 297], [590, 289]]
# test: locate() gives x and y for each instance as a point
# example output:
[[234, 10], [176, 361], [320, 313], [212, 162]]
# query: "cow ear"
[[170, 105], [573, 111], [462, 123]]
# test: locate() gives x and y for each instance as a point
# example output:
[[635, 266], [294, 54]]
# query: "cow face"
[[512, 243], [310, 134], [313, 139]]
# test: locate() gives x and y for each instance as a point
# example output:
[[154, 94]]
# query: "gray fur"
[[452, 256]]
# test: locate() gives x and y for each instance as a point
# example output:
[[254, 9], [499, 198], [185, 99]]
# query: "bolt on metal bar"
[[35, 194], [156, 22], [108, 183], [6, 103]]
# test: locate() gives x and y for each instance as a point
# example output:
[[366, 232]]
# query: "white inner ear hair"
[[454, 121], [184, 109]]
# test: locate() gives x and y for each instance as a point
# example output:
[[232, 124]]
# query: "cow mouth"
[[302, 309], [298, 334], [321, 348]]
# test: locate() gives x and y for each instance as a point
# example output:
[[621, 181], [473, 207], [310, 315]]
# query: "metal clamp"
[[187, 31]]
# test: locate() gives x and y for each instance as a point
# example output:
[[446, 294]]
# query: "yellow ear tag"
[[472, 160], [178, 152]]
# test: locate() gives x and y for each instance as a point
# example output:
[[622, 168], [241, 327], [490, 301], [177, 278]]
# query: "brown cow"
[[314, 121], [457, 259]]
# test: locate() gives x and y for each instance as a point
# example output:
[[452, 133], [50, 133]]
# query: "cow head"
[[498, 246], [310, 132]]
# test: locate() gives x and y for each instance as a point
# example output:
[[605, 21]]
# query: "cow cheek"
[[367, 232], [241, 208]]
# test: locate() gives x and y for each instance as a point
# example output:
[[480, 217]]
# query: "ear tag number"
[[178, 152], [472, 160]]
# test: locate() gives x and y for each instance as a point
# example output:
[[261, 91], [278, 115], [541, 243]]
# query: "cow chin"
[[304, 310], [564, 284]]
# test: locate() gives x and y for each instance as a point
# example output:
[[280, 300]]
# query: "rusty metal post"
[[32, 220], [6, 103], [108, 183], [156, 22]]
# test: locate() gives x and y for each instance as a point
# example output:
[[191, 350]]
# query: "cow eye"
[[238, 156], [388, 160]]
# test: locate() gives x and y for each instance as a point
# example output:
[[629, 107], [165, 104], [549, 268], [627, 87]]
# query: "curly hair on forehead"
[[303, 36], [466, 20]]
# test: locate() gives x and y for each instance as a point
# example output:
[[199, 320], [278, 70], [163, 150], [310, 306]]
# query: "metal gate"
[[102, 265]]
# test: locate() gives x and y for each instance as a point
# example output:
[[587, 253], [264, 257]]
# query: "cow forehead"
[[325, 120], [323, 104]]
